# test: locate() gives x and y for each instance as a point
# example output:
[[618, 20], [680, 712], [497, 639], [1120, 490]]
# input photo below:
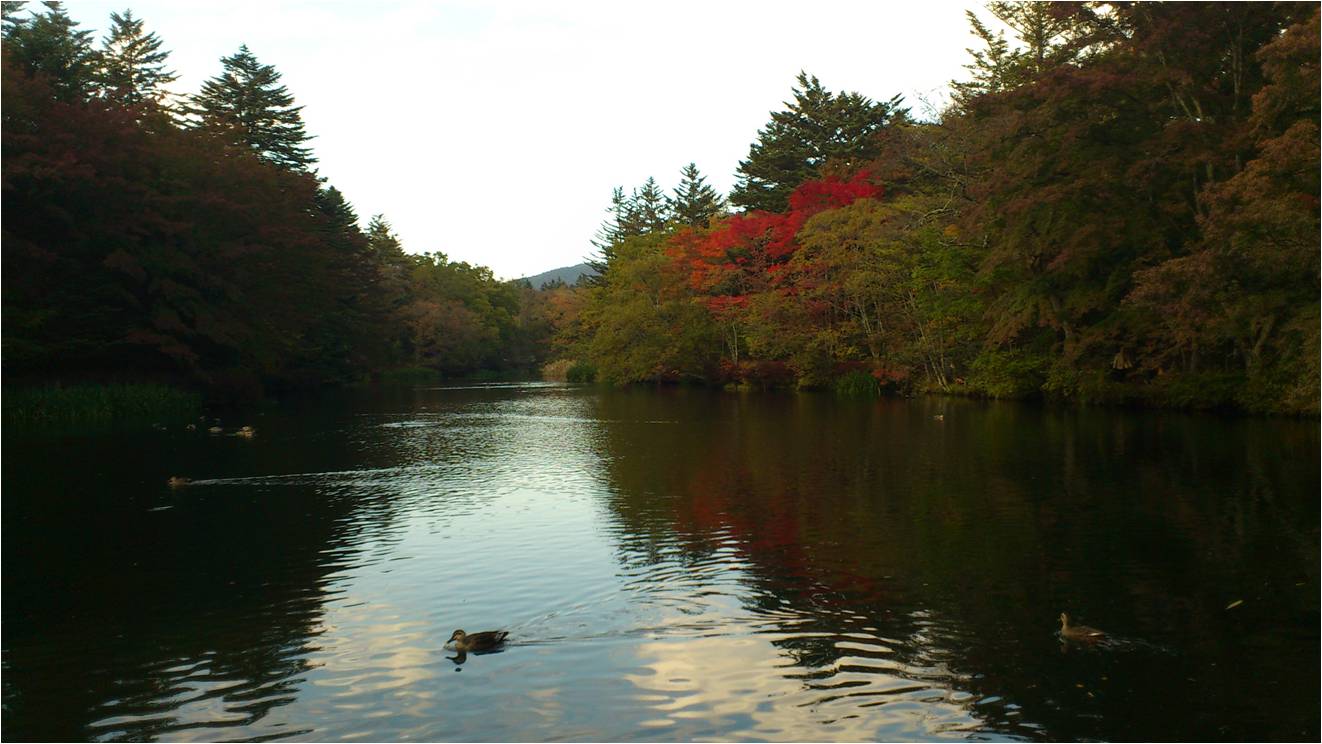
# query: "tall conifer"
[[694, 202], [51, 44], [132, 70], [817, 127], [246, 104]]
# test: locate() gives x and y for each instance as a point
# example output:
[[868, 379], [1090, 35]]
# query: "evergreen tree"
[[695, 203], [51, 44], [990, 66], [246, 104], [381, 237], [1047, 35], [9, 20], [650, 209], [611, 232], [645, 210], [817, 127], [132, 63]]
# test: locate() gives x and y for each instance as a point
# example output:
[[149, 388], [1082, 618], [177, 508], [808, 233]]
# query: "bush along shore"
[[92, 407]]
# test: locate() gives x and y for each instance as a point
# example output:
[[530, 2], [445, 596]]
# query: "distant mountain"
[[569, 275]]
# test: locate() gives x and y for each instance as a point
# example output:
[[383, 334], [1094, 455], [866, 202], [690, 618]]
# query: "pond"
[[671, 564]]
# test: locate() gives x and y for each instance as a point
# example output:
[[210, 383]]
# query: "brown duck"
[[484, 641], [1078, 632]]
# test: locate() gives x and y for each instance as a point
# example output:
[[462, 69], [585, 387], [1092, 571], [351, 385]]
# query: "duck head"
[[458, 635], [1064, 620]]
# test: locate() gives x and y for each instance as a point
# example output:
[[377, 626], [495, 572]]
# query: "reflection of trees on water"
[[125, 623], [957, 542]]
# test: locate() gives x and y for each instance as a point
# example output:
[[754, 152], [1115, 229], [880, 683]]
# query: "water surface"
[[672, 564]]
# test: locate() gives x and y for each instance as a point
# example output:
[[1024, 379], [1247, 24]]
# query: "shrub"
[[1008, 374], [98, 406], [581, 372], [857, 384]]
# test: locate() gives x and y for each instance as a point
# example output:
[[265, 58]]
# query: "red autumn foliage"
[[746, 253]]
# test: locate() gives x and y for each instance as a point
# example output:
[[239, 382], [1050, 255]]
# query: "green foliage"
[[643, 323], [88, 407], [135, 245], [50, 45], [645, 211], [816, 128], [695, 203], [246, 106], [1008, 373], [857, 384], [1121, 205], [1085, 386], [1047, 36], [1198, 390], [132, 68], [581, 372]]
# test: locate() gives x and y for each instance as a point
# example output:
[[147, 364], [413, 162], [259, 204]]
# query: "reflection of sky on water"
[[716, 668], [495, 519], [665, 573]]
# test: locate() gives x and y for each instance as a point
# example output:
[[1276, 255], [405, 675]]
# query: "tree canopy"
[[816, 128], [245, 105]]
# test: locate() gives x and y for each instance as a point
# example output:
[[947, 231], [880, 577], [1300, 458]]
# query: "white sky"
[[495, 131]]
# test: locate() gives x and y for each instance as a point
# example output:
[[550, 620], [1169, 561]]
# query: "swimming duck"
[[246, 432], [1078, 632], [484, 641], [178, 481]]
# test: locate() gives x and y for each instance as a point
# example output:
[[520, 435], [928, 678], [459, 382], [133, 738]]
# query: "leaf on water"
[[1234, 604]]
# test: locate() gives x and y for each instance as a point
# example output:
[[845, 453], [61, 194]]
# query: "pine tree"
[[132, 64], [1047, 35], [9, 20], [381, 237], [246, 104], [52, 45], [645, 210], [695, 203], [611, 232], [817, 127], [651, 209]]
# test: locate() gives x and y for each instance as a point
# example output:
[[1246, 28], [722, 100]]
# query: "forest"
[[1119, 204], [191, 242]]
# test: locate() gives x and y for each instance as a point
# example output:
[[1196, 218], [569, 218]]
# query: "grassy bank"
[[92, 407]]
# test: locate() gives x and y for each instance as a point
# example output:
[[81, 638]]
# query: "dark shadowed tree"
[[132, 70], [817, 127], [247, 106], [51, 44]]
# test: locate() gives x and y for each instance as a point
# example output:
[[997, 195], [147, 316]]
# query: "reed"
[[87, 406], [857, 384]]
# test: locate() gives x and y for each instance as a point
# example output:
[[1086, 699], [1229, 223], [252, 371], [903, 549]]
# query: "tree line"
[[1120, 204], [190, 239]]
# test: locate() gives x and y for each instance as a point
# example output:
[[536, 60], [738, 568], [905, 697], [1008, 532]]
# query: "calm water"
[[672, 565]]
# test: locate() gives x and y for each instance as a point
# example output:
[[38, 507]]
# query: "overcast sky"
[[495, 131]]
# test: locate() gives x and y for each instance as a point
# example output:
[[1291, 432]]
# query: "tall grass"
[[80, 407], [581, 372], [857, 384]]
